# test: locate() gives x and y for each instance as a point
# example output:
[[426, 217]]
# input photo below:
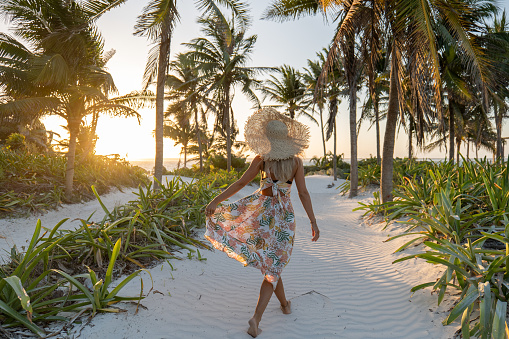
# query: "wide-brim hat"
[[275, 136]]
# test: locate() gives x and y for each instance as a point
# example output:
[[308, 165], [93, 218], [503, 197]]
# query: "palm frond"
[[285, 10], [95, 8]]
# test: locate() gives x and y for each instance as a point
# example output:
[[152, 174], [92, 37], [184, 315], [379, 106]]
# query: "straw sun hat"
[[274, 136]]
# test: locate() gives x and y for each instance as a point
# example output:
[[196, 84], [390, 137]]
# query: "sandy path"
[[19, 231], [343, 286]]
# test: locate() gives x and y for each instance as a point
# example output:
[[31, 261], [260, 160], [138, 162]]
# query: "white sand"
[[19, 231], [343, 286]]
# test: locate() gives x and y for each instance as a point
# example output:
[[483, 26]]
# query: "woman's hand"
[[211, 207], [315, 231]]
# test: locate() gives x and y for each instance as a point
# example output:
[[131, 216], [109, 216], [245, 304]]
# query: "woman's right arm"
[[245, 179], [305, 198]]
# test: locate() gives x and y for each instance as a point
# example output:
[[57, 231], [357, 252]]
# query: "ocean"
[[168, 163], [173, 163]]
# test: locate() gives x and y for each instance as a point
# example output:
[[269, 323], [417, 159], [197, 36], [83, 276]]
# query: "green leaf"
[[471, 296], [465, 322], [485, 307], [80, 286], [499, 321], [23, 297], [101, 203], [421, 286], [22, 320], [124, 282], [109, 272]]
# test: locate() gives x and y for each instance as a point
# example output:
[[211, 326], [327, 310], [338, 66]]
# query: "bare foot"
[[287, 308], [253, 330]]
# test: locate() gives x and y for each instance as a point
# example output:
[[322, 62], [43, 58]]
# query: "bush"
[[458, 211], [32, 182], [218, 161], [16, 142], [128, 239]]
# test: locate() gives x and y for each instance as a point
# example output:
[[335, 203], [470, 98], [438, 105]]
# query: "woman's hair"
[[282, 170]]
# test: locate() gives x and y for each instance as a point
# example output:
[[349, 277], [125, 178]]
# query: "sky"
[[290, 43]]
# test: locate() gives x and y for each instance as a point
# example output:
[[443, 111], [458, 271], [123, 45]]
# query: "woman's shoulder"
[[257, 161]]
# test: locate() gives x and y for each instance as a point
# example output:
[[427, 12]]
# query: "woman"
[[259, 229]]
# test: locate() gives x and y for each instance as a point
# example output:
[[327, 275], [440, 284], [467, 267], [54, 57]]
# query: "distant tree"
[[288, 90], [310, 76], [223, 65], [157, 23], [186, 94], [496, 41]]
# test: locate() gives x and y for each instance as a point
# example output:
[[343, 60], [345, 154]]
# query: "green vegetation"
[[72, 270], [35, 182], [325, 165], [54, 63], [157, 23], [461, 214]]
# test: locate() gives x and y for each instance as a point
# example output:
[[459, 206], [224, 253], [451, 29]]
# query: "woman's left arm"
[[245, 179]]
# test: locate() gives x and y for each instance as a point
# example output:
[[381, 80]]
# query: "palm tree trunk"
[[226, 112], [451, 131], [334, 157], [185, 155], [164, 54], [198, 138], [458, 145], [323, 133], [354, 174], [91, 142], [74, 129], [410, 137], [377, 125], [498, 126], [386, 182]]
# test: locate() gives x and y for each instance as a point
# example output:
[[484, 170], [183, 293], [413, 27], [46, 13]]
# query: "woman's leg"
[[263, 300], [280, 294]]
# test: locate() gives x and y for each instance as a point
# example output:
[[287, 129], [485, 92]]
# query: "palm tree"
[[157, 23], [187, 95], [496, 40], [472, 126], [311, 75], [374, 108], [413, 39], [181, 131], [222, 63], [351, 56], [288, 90], [376, 74], [333, 88], [64, 72]]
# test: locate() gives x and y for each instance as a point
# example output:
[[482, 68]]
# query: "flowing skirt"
[[257, 230]]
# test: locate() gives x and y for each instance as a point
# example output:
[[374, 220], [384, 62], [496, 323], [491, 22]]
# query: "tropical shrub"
[[15, 142], [72, 270], [461, 213], [36, 287], [326, 164], [218, 161], [34, 182]]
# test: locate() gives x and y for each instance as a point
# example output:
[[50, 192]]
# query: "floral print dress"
[[257, 230]]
